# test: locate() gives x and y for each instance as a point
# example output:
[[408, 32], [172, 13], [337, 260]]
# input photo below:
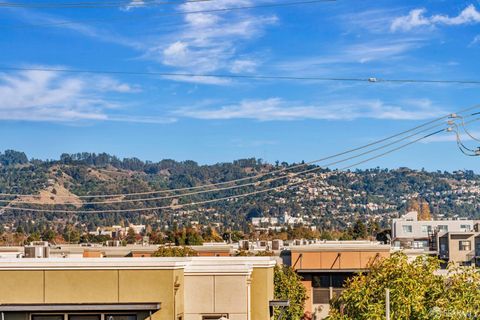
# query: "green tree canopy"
[[175, 252], [288, 286], [417, 291]]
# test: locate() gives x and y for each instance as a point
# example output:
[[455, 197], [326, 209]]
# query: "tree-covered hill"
[[331, 200]]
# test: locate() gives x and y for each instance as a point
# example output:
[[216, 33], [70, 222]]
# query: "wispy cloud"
[[133, 4], [417, 18], [275, 109], [54, 21], [52, 96], [475, 40], [345, 57], [451, 137], [209, 42]]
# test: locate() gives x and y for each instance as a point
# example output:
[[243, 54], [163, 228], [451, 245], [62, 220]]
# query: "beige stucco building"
[[325, 267], [196, 288]]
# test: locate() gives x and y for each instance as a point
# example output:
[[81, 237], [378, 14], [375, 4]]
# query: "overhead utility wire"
[[257, 183], [258, 175], [292, 184], [274, 5], [239, 76], [92, 4], [461, 146], [453, 116]]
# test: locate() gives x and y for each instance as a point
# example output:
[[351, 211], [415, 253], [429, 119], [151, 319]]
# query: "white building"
[[409, 232]]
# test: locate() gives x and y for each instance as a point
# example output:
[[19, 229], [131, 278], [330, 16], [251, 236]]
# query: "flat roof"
[[341, 247], [205, 264]]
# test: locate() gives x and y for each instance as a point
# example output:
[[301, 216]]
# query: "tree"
[[424, 213], [131, 236], [461, 299], [416, 291], [359, 230], [48, 235], [288, 285], [175, 252]]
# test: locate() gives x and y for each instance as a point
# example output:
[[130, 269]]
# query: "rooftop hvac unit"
[[36, 252]]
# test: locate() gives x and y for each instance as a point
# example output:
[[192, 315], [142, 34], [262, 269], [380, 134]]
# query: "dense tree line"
[[90, 173]]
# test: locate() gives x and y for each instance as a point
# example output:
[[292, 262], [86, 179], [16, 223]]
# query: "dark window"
[[47, 317], [83, 317], [321, 281], [120, 317], [215, 317], [338, 280]]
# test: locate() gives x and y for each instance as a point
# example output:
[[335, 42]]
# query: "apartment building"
[[459, 247], [410, 233], [326, 266], [197, 288]]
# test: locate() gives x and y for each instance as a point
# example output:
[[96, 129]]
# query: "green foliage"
[[131, 236], [167, 251], [416, 291], [288, 285]]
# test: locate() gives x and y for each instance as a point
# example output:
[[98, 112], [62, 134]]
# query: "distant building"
[[289, 220], [258, 221], [408, 232], [460, 247]]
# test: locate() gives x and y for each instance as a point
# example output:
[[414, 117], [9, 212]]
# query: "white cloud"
[[417, 18], [243, 65], [344, 58], [210, 42], [475, 40], [40, 19], [414, 19], [134, 4], [279, 109], [54, 96]]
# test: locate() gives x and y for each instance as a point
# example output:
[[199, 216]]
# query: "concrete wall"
[[261, 292], [216, 294], [91, 286], [188, 288], [335, 259]]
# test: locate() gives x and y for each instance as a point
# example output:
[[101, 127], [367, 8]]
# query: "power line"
[[93, 4], [131, 17], [292, 184], [258, 176], [241, 76], [461, 146], [270, 180]]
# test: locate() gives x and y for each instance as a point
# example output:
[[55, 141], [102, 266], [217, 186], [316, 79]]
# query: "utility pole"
[[387, 303]]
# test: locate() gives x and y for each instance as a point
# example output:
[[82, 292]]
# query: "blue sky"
[[215, 119]]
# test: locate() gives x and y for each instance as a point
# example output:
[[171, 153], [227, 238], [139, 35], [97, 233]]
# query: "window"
[[47, 317], [321, 296], [426, 229], [120, 317], [215, 317], [465, 227], [465, 245], [407, 229], [420, 244], [84, 317], [443, 227], [322, 281], [338, 280]]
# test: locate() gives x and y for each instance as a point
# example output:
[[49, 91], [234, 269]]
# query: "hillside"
[[331, 200]]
